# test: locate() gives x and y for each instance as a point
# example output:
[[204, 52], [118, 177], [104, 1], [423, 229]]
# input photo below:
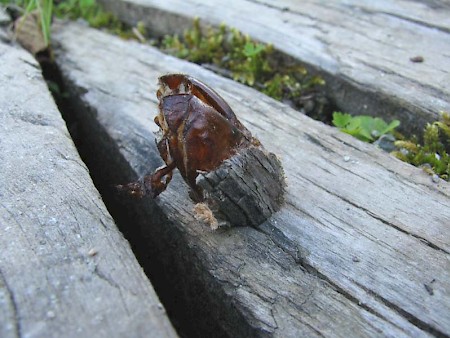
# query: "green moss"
[[93, 13], [433, 154], [244, 59]]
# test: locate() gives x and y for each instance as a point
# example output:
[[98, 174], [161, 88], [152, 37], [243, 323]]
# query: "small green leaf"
[[390, 127], [363, 127], [252, 49], [341, 120]]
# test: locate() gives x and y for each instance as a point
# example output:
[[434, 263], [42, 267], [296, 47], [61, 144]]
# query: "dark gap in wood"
[[318, 143], [396, 227], [11, 298], [411, 318], [423, 240]]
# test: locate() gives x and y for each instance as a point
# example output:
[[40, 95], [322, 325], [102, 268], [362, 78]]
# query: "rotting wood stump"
[[246, 189], [360, 248]]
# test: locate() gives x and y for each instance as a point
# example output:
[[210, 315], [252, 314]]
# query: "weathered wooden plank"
[[65, 269], [361, 247], [363, 48]]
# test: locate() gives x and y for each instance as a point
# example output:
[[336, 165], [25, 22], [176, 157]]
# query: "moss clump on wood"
[[434, 154], [95, 16], [236, 55], [88, 10]]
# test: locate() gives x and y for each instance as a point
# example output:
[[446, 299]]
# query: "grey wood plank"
[[361, 247], [363, 48], [65, 269]]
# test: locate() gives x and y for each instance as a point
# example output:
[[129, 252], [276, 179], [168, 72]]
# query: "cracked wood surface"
[[246, 189], [363, 48], [360, 248], [65, 269]]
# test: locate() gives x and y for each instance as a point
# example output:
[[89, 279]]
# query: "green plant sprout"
[[44, 9], [363, 127], [433, 154], [88, 10]]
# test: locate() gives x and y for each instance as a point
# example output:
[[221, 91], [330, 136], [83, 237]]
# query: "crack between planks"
[[15, 308], [393, 172], [345, 143], [34, 65], [405, 314], [115, 285], [108, 280], [415, 21], [396, 227], [378, 218], [315, 141]]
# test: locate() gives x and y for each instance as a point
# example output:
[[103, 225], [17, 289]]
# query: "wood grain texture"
[[65, 269], [246, 189], [361, 247], [362, 48]]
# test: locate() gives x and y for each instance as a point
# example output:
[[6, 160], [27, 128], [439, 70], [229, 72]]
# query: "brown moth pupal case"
[[199, 134]]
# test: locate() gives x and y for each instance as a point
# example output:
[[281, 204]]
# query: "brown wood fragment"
[[246, 189], [28, 32]]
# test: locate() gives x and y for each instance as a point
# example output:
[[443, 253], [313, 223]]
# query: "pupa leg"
[[152, 185], [160, 179]]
